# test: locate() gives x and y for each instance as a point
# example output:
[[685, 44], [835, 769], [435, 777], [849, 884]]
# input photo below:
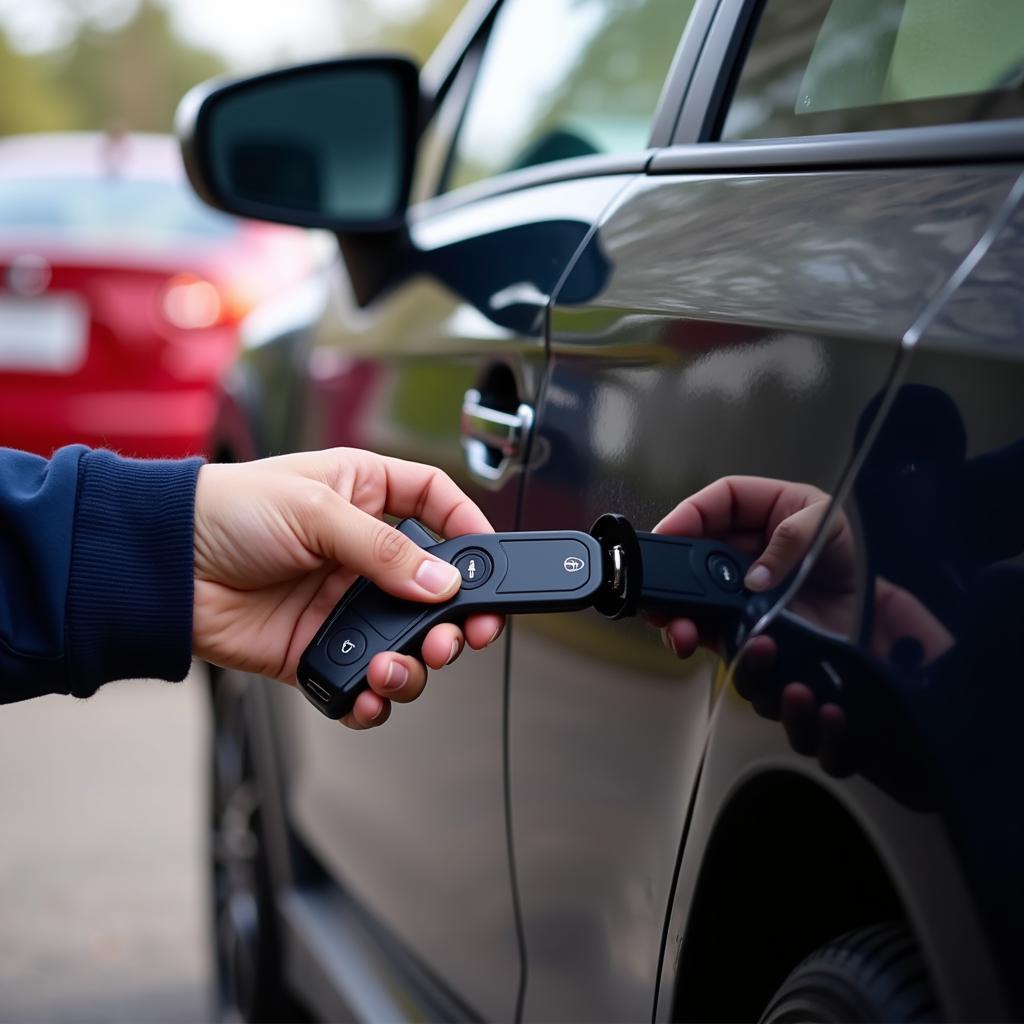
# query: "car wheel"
[[249, 986], [872, 974]]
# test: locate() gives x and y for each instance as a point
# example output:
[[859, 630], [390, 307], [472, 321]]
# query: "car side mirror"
[[327, 145]]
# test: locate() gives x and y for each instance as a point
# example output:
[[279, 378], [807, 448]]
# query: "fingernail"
[[396, 677], [437, 577], [454, 653], [758, 578], [496, 633], [669, 642]]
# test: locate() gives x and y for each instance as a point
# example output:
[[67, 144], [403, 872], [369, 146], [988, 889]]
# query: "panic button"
[[545, 566]]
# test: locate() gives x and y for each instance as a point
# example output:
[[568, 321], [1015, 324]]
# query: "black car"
[[596, 256]]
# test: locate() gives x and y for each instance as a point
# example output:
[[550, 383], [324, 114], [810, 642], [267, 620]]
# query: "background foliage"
[[132, 75]]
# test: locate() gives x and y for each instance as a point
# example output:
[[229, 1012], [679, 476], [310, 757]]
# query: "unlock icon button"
[[475, 566]]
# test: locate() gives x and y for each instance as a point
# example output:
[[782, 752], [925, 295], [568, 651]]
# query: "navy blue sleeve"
[[96, 570]]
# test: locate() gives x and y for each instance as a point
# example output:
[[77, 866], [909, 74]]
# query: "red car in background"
[[121, 294]]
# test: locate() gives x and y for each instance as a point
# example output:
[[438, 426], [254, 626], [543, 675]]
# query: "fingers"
[[392, 677], [442, 645], [384, 485], [445, 642], [834, 752], [786, 547], [800, 718], [905, 631], [755, 677], [401, 678], [747, 509], [334, 528], [432, 497], [369, 711], [396, 677], [681, 637], [816, 731], [733, 504], [483, 630]]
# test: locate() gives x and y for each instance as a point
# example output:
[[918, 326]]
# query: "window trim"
[[681, 73], [674, 89], [709, 85], [447, 118], [981, 142], [572, 169], [710, 91], [442, 67]]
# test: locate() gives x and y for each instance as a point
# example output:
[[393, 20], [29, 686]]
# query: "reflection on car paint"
[[909, 629]]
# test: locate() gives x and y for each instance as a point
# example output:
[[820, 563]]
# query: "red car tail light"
[[191, 302]]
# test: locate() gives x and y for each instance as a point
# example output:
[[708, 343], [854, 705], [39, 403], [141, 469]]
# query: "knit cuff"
[[131, 583]]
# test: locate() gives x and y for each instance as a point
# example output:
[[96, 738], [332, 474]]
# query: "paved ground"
[[102, 914]]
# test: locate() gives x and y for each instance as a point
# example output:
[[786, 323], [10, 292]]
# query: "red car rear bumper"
[[149, 424]]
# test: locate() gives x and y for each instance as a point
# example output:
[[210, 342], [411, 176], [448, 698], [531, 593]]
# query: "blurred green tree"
[[32, 101], [131, 76]]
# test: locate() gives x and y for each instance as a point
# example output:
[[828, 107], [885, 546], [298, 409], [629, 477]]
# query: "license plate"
[[48, 333]]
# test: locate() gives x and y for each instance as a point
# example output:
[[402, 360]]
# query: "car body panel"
[[735, 309], [745, 752], [711, 345], [392, 378], [941, 550]]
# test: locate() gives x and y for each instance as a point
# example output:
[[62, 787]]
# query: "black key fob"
[[676, 576], [503, 573]]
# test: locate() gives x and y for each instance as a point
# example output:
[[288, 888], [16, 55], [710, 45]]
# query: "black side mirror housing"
[[325, 145]]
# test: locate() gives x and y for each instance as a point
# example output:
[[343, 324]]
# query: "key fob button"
[[346, 647], [725, 572], [475, 566], [545, 566]]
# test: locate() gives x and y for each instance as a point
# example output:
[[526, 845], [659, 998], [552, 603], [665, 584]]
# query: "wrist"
[[131, 580]]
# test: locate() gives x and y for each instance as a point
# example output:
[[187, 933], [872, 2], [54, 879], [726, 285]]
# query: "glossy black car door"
[[727, 317], [443, 368]]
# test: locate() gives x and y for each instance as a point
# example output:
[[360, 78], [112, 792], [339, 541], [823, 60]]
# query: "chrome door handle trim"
[[494, 441]]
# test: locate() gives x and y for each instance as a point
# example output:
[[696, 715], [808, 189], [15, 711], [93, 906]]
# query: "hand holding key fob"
[[501, 572], [613, 569]]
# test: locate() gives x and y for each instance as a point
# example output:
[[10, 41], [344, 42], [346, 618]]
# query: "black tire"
[[249, 980], [872, 974]]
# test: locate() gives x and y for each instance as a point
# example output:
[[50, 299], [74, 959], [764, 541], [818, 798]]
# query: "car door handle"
[[494, 440]]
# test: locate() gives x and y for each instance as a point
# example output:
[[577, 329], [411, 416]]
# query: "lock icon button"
[[346, 647]]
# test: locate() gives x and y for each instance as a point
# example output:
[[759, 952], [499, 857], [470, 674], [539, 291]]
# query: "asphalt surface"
[[102, 888]]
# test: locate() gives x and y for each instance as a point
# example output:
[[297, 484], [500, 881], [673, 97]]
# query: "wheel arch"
[[786, 867]]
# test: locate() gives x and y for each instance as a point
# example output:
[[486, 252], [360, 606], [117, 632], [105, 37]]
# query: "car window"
[[566, 78], [110, 208], [823, 66]]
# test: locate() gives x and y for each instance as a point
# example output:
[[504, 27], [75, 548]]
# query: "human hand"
[[278, 541], [775, 521]]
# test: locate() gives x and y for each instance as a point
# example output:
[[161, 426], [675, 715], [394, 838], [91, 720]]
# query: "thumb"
[[340, 531]]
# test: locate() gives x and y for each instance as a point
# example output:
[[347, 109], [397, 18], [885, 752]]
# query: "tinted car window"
[[566, 78], [109, 208], [825, 66]]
